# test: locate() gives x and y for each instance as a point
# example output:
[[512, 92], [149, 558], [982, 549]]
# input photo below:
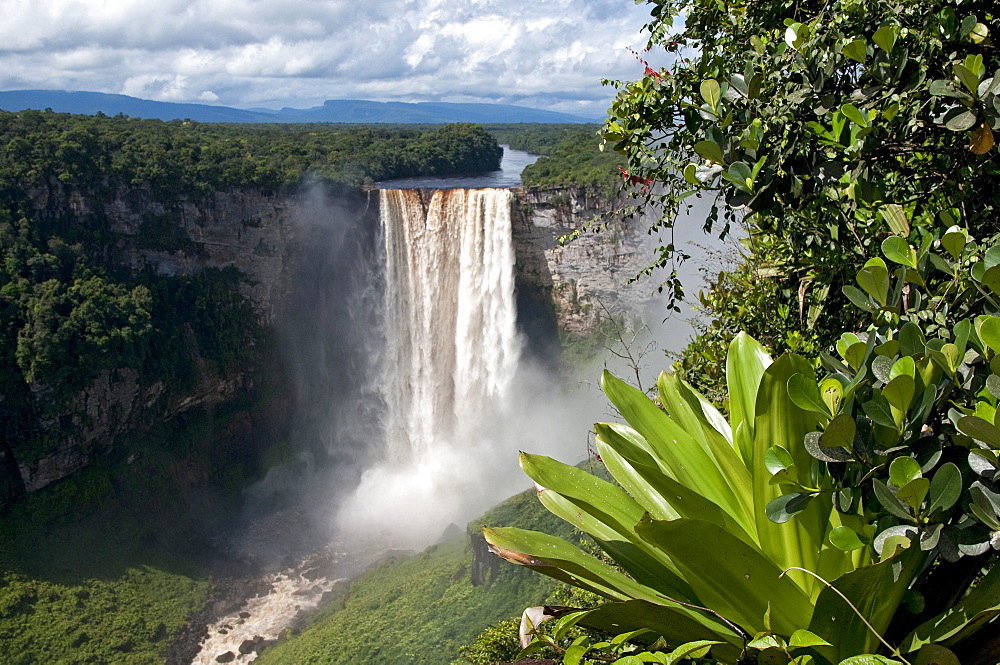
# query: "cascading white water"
[[452, 352], [452, 338]]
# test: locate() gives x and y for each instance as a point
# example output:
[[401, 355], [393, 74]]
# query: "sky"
[[549, 54]]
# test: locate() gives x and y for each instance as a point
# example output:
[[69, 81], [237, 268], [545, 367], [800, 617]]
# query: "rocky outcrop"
[[585, 279]]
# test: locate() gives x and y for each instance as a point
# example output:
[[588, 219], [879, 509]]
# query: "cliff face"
[[585, 279], [266, 236]]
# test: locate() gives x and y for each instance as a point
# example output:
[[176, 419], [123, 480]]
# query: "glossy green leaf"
[[854, 115], [839, 432], [777, 459], [885, 37], [783, 508], [711, 151], [954, 241], [874, 280], [802, 638], [683, 456], [989, 331], [935, 654], [895, 248], [914, 492], [857, 297], [903, 470], [895, 217], [690, 172], [946, 487], [745, 365], [889, 501], [968, 78], [980, 430], [804, 393], [872, 590], [845, 538], [857, 50], [729, 575], [711, 92], [855, 355], [905, 366], [899, 392], [556, 558]]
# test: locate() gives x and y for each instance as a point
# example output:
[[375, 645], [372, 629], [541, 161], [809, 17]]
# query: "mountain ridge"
[[347, 111]]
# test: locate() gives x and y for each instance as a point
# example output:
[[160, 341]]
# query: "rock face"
[[259, 234], [581, 279]]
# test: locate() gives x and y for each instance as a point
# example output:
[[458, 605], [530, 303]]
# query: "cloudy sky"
[[547, 54]]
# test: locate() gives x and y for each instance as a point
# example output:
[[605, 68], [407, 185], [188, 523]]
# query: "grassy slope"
[[419, 610]]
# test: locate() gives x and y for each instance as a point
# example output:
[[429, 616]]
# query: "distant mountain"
[[337, 110]]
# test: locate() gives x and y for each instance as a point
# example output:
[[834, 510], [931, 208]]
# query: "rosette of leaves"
[[698, 524]]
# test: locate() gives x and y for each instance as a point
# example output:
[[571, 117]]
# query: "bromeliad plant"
[[807, 524]]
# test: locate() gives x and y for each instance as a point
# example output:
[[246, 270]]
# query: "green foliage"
[[821, 125], [127, 620], [576, 160], [728, 531], [423, 608], [497, 644]]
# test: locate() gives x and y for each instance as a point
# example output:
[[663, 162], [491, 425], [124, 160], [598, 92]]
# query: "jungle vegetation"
[[839, 504]]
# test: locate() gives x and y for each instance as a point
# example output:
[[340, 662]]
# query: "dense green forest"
[[571, 155]]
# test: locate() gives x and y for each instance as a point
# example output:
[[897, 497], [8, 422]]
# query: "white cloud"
[[549, 53]]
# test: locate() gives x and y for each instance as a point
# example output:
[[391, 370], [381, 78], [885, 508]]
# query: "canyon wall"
[[560, 288]]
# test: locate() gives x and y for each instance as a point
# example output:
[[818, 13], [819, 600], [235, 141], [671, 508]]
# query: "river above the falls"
[[509, 175]]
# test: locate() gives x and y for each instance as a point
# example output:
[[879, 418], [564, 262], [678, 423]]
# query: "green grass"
[[419, 610]]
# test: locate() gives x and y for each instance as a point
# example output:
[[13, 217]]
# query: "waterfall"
[[452, 350], [451, 318]]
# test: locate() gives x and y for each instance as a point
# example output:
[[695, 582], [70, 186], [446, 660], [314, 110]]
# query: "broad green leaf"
[[968, 78], [905, 366], [688, 409], [729, 575], [857, 50], [895, 217], [831, 391], [711, 92], [846, 341], [854, 115], [786, 506], [745, 365], [858, 297], [802, 638], [903, 470], [777, 459], [804, 393], [870, 659], [889, 500], [845, 538], [981, 430], [855, 355], [556, 558], [607, 513], [914, 492], [978, 608], [780, 422], [874, 591], [899, 392], [954, 241], [839, 432], [989, 332], [959, 122], [683, 456], [690, 174], [946, 487], [885, 37], [874, 280], [711, 151], [877, 409], [895, 248], [677, 627]]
